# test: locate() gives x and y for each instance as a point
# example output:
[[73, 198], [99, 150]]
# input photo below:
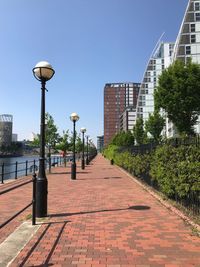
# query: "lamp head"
[[74, 117], [43, 71], [83, 130]]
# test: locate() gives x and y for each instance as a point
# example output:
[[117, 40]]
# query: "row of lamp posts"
[[43, 72]]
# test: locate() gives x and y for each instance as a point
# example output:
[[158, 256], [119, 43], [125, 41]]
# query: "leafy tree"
[[63, 144], [178, 93], [123, 139], [79, 144], [36, 141], [139, 132], [51, 135], [154, 125], [51, 132]]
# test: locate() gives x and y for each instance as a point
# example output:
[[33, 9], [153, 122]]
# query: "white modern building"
[[160, 59], [187, 44]]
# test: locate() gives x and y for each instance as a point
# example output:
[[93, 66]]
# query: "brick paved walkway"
[[105, 219]]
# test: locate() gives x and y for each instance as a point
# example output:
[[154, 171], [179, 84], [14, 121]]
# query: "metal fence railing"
[[175, 142], [25, 168], [32, 203], [192, 201]]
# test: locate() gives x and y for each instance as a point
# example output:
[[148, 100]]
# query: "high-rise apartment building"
[[160, 59], [117, 97], [188, 40], [187, 44]]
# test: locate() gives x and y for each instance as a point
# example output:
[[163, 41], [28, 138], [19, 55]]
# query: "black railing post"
[[2, 173], [34, 166], [49, 164], [26, 167], [16, 169], [34, 200]]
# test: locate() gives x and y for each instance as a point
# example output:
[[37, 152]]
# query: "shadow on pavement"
[[138, 207], [106, 178], [46, 263]]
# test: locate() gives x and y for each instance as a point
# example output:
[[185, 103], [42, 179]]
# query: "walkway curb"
[[15, 242]]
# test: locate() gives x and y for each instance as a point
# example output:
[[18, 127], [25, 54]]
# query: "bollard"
[[111, 161]]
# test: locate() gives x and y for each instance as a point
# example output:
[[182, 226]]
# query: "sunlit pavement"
[[105, 219]]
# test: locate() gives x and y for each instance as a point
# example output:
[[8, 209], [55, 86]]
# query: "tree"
[[154, 125], [138, 132], [51, 132], [123, 139], [36, 141], [178, 93], [79, 144], [63, 144]]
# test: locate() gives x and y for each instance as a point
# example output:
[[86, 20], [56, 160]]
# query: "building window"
[[163, 67], [187, 50], [197, 16], [192, 27], [146, 85], [146, 92], [196, 6], [193, 38]]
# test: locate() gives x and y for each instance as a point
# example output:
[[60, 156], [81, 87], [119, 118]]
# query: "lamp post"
[[74, 118], [83, 130], [43, 72], [87, 156]]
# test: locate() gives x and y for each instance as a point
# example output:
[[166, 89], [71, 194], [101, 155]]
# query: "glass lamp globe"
[[74, 117], [83, 130], [43, 71]]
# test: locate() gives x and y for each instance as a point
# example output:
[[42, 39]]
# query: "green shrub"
[[177, 170]]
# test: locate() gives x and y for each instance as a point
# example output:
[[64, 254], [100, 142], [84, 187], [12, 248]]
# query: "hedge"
[[176, 171]]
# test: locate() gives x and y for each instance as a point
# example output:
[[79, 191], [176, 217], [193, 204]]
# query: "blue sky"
[[88, 42]]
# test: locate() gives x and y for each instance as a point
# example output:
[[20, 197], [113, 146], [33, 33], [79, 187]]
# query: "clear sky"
[[88, 42]]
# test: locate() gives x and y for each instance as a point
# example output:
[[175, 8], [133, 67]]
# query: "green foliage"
[[36, 141], [174, 169], [51, 132], [123, 139], [177, 170], [154, 125], [110, 151], [63, 142], [178, 93], [138, 132], [79, 144]]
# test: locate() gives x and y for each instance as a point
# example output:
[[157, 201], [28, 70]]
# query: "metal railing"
[[25, 168], [32, 203], [175, 142]]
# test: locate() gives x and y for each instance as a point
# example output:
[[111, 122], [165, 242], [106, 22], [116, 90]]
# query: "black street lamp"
[[83, 130], [87, 156], [43, 72], [74, 117]]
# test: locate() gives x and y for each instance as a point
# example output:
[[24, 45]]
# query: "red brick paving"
[[105, 219], [13, 201]]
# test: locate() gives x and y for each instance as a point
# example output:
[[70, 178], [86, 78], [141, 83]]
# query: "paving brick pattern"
[[12, 202], [105, 219]]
